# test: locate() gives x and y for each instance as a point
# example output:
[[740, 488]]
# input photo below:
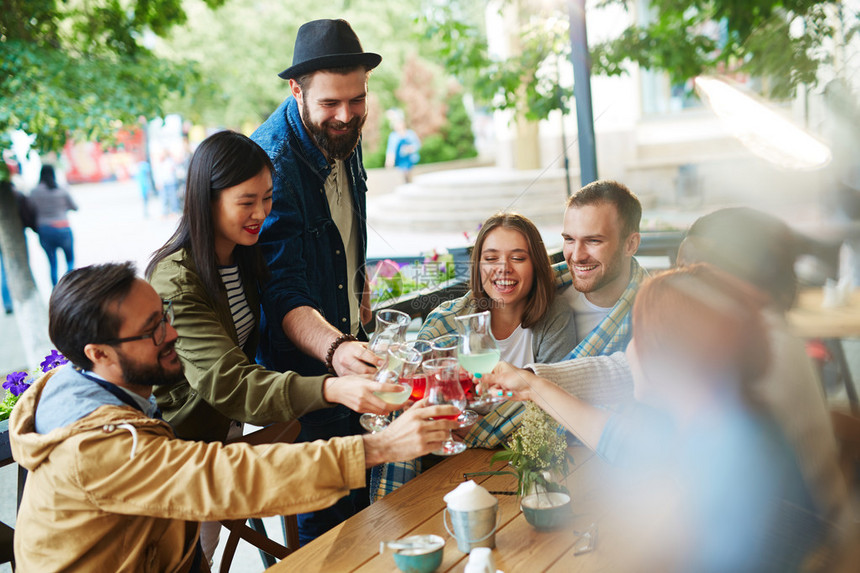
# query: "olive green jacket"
[[222, 382]]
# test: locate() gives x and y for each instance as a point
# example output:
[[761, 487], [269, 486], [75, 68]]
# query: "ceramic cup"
[[424, 560], [545, 511]]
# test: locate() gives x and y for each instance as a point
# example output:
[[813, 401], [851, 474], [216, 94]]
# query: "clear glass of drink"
[[399, 368], [443, 388]]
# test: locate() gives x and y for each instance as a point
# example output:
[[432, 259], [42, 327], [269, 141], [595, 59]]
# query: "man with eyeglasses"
[[110, 488]]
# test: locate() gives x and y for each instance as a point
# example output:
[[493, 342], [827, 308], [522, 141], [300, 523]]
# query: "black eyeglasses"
[[158, 334]]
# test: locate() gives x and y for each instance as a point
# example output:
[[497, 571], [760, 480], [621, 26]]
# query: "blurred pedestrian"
[[52, 204], [167, 183], [144, 181], [4, 288], [403, 146]]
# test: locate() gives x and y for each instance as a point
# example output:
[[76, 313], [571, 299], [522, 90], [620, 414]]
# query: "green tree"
[[74, 68], [786, 43], [525, 82], [455, 139], [783, 42]]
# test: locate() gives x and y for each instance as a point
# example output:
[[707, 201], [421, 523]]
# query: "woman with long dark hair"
[[211, 271], [52, 204]]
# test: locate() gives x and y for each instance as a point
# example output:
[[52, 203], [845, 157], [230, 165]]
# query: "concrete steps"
[[459, 200]]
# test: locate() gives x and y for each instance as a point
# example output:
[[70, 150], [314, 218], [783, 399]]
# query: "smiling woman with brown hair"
[[512, 279]]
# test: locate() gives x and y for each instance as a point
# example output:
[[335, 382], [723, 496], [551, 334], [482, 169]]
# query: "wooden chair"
[[255, 532]]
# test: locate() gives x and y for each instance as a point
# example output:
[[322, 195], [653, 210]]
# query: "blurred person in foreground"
[[110, 487], [760, 250], [706, 468]]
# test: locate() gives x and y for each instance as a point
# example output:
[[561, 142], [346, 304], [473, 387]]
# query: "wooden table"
[[809, 320], [417, 508]]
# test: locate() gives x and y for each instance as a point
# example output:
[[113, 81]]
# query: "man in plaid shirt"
[[601, 235]]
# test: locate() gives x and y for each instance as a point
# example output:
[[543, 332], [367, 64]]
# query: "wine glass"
[[445, 346], [443, 388], [419, 379], [477, 350], [398, 368], [390, 329]]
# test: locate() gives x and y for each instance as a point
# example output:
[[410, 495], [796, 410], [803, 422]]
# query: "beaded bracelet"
[[331, 349]]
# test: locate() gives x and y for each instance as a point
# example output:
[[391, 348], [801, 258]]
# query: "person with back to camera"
[[510, 277], [698, 447], [315, 238], [110, 487], [52, 204], [760, 250], [211, 271]]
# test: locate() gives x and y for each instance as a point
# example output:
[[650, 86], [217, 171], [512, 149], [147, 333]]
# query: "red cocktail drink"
[[419, 383], [468, 384]]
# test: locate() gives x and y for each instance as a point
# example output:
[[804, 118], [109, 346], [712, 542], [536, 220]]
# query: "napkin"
[[469, 496]]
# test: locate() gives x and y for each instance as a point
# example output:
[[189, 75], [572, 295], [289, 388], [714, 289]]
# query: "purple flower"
[[16, 383], [52, 360]]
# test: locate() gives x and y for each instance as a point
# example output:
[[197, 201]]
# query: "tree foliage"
[[81, 67], [783, 42], [527, 81]]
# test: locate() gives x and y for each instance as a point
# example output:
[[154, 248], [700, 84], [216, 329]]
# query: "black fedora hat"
[[323, 44]]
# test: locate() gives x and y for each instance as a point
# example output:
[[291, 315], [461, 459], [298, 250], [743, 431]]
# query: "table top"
[[809, 320], [417, 508]]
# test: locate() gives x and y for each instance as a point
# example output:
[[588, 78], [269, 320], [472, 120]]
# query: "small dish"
[[546, 511], [423, 557]]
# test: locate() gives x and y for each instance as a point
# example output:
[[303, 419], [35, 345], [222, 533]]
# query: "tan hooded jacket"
[[116, 491]]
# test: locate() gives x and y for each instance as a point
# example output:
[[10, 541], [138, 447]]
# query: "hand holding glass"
[[399, 367]]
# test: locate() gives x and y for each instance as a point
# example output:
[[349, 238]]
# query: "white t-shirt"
[[586, 314], [517, 348]]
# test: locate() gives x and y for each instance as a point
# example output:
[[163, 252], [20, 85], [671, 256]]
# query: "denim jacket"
[[300, 241]]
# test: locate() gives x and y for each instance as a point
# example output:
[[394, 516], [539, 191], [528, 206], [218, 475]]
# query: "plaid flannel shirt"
[[611, 335]]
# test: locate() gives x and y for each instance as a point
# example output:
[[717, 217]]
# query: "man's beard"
[[611, 271], [148, 374], [334, 146]]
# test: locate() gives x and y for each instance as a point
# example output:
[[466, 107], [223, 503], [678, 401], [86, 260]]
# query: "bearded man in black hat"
[[314, 240]]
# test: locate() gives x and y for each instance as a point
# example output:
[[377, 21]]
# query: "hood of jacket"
[[58, 406]]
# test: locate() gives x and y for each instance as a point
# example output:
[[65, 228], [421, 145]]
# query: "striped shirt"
[[243, 318]]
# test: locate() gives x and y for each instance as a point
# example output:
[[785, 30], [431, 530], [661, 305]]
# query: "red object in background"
[[88, 163]]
